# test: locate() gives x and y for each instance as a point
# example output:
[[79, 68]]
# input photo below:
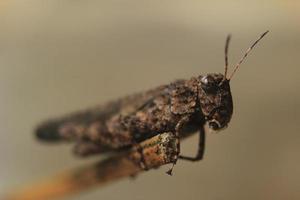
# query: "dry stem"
[[156, 151]]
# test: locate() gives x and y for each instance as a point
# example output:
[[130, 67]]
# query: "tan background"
[[59, 56]]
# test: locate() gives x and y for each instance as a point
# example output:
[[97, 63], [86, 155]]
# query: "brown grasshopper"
[[181, 107]]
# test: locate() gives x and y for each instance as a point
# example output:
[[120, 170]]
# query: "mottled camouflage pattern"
[[184, 104]]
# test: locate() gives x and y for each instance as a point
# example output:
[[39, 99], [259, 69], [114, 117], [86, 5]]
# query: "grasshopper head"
[[215, 100], [214, 93]]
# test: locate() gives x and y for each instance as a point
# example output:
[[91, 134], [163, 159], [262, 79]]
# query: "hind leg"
[[178, 128]]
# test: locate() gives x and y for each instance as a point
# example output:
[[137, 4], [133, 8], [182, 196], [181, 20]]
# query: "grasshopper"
[[181, 107]]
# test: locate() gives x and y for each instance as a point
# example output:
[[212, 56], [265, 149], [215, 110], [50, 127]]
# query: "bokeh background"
[[60, 56]]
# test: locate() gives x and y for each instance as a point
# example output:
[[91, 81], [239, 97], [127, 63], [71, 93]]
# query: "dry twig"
[[156, 151]]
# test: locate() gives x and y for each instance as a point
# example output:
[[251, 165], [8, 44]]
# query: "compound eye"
[[214, 125], [209, 85], [204, 80]]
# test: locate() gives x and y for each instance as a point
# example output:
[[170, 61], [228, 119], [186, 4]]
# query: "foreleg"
[[201, 148]]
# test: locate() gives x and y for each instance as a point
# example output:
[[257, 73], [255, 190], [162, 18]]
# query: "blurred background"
[[60, 56]]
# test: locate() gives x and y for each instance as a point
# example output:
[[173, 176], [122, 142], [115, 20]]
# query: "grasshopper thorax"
[[215, 100]]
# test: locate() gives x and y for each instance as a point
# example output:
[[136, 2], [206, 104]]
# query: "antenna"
[[246, 54], [226, 55]]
